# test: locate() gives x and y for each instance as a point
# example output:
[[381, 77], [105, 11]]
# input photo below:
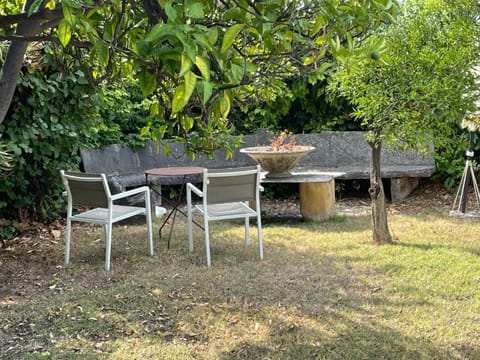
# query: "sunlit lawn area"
[[322, 292]]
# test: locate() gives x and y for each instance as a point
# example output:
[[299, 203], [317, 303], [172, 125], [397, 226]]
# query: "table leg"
[[173, 212]]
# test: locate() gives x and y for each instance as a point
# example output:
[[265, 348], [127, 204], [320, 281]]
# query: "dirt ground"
[[355, 201]]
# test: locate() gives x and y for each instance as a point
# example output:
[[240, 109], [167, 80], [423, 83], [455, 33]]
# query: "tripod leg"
[[466, 182], [468, 166], [475, 187]]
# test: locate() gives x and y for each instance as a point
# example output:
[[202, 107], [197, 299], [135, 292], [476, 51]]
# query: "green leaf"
[[50, 5], [320, 22], [207, 91], [186, 66], [237, 73], [155, 108], [308, 60], [166, 148], [230, 36], [225, 105], [171, 11], [212, 36], [72, 4], [188, 48], [233, 14], [195, 11], [178, 102], [102, 50], [186, 122], [109, 31], [324, 67], [34, 7], [202, 40], [145, 130], [184, 92], [270, 42], [64, 32], [143, 48], [190, 82], [202, 65], [147, 81], [160, 31], [158, 133], [67, 15]]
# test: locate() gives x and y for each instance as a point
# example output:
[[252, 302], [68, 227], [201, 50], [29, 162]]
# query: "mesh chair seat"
[[100, 215], [226, 210]]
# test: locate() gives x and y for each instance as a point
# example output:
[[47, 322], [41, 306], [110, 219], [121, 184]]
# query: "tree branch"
[[8, 20], [154, 12]]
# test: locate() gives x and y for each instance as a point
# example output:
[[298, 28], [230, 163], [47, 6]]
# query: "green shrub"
[[300, 108], [55, 112], [48, 122], [122, 112]]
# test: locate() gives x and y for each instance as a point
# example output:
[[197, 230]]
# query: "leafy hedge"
[[55, 112], [48, 123], [301, 108]]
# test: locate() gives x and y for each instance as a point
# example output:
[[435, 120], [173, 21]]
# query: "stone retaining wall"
[[343, 155]]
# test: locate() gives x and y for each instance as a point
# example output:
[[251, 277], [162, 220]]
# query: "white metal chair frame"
[[223, 202], [105, 212]]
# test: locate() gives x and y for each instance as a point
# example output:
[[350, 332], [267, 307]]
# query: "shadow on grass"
[[334, 223], [306, 300]]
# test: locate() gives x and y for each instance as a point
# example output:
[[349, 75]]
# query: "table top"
[[175, 171]]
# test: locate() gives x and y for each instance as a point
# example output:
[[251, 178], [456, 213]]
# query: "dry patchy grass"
[[322, 292]]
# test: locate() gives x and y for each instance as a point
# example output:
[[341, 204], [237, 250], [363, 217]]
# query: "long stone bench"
[[337, 155]]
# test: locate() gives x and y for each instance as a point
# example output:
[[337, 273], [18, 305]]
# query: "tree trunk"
[[13, 62], [381, 233]]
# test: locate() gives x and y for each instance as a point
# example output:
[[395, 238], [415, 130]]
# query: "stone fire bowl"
[[278, 163]]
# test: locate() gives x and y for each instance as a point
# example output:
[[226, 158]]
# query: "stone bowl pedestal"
[[278, 163]]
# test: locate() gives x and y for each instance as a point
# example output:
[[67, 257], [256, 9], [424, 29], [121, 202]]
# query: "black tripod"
[[460, 203]]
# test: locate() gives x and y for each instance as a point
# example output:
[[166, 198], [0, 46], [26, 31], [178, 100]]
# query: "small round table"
[[174, 171]]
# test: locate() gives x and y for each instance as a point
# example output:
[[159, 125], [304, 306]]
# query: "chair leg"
[[149, 236], [108, 250], [189, 221], [105, 236], [67, 241], [148, 214], [247, 231], [260, 240], [207, 243]]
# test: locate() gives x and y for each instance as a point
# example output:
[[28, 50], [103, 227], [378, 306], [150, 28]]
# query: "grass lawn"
[[324, 291]]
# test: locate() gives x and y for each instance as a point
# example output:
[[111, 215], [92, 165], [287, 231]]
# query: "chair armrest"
[[124, 194], [191, 187]]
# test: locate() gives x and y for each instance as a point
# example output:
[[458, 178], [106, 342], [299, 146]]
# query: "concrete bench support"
[[402, 187], [317, 200], [317, 193]]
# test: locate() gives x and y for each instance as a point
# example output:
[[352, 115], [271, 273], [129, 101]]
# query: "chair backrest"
[[89, 190], [232, 184]]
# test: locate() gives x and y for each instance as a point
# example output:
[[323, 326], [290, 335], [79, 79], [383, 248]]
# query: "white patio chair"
[[92, 191], [225, 195]]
